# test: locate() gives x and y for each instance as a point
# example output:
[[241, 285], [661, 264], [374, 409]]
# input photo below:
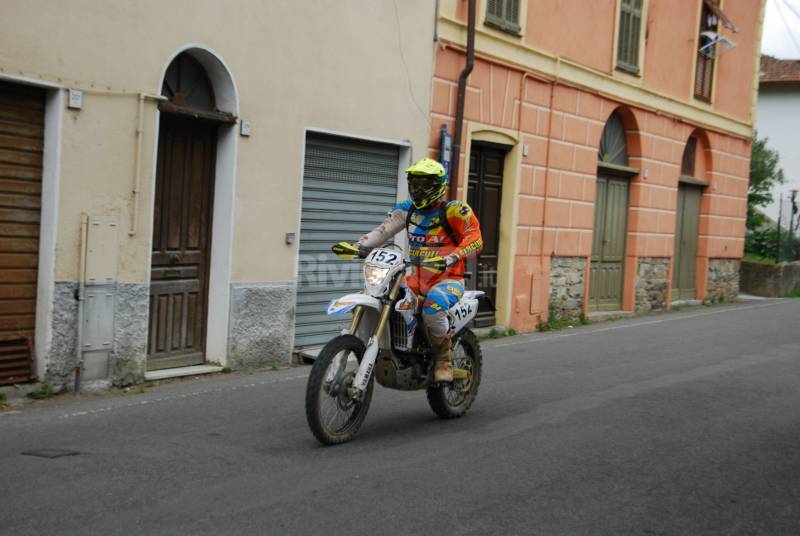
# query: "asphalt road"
[[676, 424]]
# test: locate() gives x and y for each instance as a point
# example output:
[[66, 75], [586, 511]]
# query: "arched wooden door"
[[183, 206], [610, 220]]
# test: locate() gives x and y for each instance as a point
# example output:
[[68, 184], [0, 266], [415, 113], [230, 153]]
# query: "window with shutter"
[[503, 15], [628, 37], [704, 71]]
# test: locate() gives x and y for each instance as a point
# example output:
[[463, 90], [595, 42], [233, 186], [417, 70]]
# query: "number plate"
[[384, 258]]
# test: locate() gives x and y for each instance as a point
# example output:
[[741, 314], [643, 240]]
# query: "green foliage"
[[2, 399], [763, 245], [44, 391], [793, 294], [765, 173], [227, 370]]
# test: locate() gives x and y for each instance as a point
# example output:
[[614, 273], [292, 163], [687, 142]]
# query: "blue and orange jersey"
[[428, 237]]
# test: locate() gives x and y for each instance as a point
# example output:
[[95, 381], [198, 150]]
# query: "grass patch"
[[793, 294], [495, 333], [227, 370], [554, 324], [2, 400], [43, 392], [759, 258]]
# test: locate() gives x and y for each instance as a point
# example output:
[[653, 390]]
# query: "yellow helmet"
[[426, 166], [426, 182]]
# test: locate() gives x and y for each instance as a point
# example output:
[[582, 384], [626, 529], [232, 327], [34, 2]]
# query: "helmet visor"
[[423, 188]]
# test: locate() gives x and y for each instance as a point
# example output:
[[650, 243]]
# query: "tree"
[[765, 173]]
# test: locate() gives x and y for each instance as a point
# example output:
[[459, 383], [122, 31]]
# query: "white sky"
[[778, 35]]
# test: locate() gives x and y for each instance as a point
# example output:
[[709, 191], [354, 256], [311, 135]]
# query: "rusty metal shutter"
[[21, 151], [348, 188]]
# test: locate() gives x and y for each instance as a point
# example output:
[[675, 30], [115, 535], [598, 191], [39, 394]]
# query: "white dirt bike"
[[386, 341]]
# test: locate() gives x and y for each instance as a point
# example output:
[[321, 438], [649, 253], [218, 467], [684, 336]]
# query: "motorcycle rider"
[[441, 236]]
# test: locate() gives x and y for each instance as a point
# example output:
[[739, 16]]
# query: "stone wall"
[[262, 325], [566, 287], [651, 284], [128, 353], [61, 355], [770, 280], [723, 280]]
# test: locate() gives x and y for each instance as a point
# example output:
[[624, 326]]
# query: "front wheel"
[[333, 415], [452, 400]]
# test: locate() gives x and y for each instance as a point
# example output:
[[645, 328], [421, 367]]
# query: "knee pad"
[[436, 323]]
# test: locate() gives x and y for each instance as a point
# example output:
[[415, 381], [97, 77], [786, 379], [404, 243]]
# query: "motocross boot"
[[443, 359]]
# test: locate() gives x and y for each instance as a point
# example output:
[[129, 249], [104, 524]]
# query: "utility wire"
[[786, 23], [792, 8], [405, 65]]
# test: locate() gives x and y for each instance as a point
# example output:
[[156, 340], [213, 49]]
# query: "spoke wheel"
[[452, 400], [333, 415]]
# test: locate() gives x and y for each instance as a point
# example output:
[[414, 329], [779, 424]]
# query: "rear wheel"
[[452, 400], [333, 415]]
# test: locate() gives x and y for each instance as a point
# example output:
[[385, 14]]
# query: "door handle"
[[174, 258]]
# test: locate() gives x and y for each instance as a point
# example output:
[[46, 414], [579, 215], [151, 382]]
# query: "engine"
[[392, 373]]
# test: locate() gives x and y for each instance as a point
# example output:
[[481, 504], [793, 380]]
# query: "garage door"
[[348, 188], [21, 149]]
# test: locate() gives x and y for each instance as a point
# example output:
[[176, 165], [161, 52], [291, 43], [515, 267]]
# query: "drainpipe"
[[137, 170], [462, 93], [81, 279], [553, 85]]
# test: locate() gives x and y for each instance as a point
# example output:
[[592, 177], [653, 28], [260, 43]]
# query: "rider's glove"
[[440, 264], [345, 250]]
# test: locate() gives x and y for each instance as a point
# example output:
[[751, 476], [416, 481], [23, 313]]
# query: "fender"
[[348, 302]]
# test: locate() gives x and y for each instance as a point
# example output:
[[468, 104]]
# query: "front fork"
[[361, 381], [367, 365]]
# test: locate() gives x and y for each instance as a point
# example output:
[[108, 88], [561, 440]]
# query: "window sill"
[[515, 31]]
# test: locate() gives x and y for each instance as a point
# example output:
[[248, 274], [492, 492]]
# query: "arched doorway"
[[610, 219], [691, 183], [191, 126]]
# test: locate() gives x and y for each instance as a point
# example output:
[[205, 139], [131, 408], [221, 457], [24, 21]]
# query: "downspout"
[[553, 85], [462, 93], [80, 296], [137, 170]]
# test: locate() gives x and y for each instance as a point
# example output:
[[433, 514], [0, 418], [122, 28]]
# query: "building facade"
[[778, 110], [605, 148], [172, 174]]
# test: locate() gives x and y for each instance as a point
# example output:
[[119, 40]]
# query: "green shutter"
[[630, 26], [503, 15]]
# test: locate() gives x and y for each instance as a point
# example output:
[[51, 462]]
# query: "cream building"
[[176, 165]]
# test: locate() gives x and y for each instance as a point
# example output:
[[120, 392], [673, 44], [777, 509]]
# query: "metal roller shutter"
[[21, 151], [348, 188]]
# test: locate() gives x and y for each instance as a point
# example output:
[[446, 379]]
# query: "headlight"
[[374, 275]]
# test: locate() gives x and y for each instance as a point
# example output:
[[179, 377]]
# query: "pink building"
[[605, 147]]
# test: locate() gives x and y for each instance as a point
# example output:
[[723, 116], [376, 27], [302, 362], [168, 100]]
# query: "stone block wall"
[[651, 284], [770, 280], [723, 280], [261, 325], [566, 287]]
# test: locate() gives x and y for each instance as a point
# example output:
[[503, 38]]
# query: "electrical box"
[[246, 127], [75, 99], [102, 252], [98, 318]]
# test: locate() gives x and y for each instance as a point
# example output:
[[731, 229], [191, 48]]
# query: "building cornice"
[[511, 51]]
